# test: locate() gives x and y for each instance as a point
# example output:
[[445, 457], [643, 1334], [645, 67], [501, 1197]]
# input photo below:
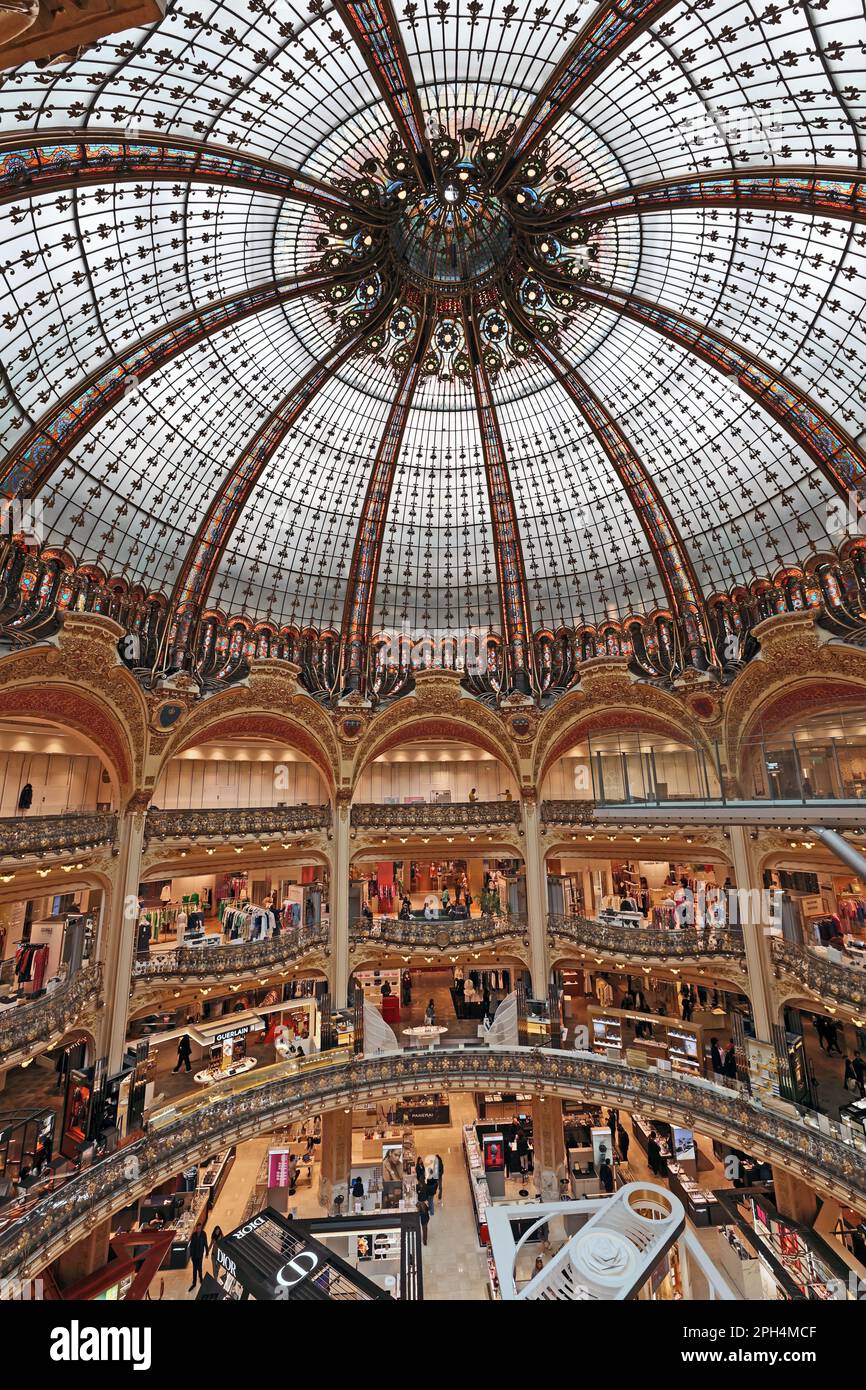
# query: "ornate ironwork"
[[436, 936], [683, 943], [241, 1109], [35, 1026], [21, 835], [212, 823], [844, 984], [567, 812], [452, 815], [202, 962]]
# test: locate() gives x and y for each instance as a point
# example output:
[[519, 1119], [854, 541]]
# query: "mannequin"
[[181, 927]]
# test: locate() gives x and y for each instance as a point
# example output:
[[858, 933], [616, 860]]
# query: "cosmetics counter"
[[665, 1042], [186, 1208]]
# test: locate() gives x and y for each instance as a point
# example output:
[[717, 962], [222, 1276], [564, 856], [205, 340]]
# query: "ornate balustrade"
[[214, 823], [36, 1026], [22, 835], [448, 815], [684, 943], [442, 935], [567, 812], [244, 1107], [845, 984], [202, 962]]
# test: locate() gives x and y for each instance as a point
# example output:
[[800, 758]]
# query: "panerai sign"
[[77, 1343]]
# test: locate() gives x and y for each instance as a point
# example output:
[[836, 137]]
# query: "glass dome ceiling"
[[577, 335]]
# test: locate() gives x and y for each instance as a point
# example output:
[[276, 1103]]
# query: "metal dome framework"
[[352, 324]]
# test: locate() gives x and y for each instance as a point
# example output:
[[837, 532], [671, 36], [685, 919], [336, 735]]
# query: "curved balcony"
[[845, 985], [442, 816], [245, 1107], [445, 935], [30, 1028], [683, 944], [38, 835], [214, 823], [196, 963]]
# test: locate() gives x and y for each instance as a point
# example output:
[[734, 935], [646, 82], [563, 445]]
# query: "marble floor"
[[454, 1265]]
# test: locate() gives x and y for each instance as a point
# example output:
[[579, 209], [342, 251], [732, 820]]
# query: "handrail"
[[844, 983], [203, 961], [680, 943], [243, 1107], [448, 815], [52, 1015], [436, 935], [213, 822], [42, 834]]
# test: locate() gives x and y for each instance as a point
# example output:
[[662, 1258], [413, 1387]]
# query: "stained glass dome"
[[357, 319]]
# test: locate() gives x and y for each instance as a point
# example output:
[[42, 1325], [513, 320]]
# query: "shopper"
[[654, 1154], [523, 1150], [539, 1265], [424, 1218], [716, 1057], [439, 1173], [730, 1062], [622, 1141], [430, 1194], [831, 1029], [473, 794], [198, 1248], [850, 1073], [215, 1236], [605, 1176], [687, 1004], [184, 1051], [25, 799], [860, 1073], [430, 1014]]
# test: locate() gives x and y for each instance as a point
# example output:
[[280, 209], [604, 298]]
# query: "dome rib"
[[202, 560], [367, 549], [28, 467], [77, 159]]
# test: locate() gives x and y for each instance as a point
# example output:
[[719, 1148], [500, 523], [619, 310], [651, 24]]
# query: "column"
[[335, 1152], [548, 1142], [340, 901], [120, 928], [84, 1257], [794, 1197], [755, 932], [536, 897]]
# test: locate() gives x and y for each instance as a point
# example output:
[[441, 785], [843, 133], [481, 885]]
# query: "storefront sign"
[[299, 1267], [226, 1034]]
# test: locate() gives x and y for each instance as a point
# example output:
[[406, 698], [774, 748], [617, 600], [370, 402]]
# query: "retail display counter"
[[699, 1202], [481, 1200], [613, 1032]]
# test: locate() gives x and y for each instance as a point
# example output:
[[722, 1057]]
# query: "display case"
[[212, 1176], [481, 1200], [663, 1041], [700, 1203]]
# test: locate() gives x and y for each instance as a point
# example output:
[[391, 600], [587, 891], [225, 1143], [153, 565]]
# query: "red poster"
[[278, 1167]]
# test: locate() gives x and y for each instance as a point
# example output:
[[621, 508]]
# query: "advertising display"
[[278, 1168], [493, 1149]]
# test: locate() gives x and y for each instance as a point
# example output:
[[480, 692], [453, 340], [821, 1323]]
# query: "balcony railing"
[[439, 815], [201, 962], [442, 935], [47, 1019], [846, 984], [215, 823], [248, 1106], [683, 943], [21, 835]]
